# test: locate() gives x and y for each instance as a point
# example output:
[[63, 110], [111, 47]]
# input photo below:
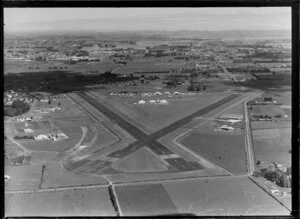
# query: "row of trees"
[[17, 108]]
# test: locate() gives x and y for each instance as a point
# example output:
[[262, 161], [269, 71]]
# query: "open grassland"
[[235, 110], [11, 149], [56, 176], [273, 145], [226, 150], [141, 160], [222, 196], [23, 177], [144, 200], [73, 202]]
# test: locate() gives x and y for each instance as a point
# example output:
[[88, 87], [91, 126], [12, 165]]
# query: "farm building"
[[41, 137], [141, 102], [232, 116], [167, 93], [152, 101], [176, 93], [226, 128], [61, 135], [164, 102], [28, 130], [157, 93]]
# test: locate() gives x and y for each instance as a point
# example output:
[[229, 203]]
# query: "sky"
[[119, 19]]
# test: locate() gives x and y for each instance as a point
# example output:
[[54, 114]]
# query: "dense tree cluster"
[[280, 177], [17, 108]]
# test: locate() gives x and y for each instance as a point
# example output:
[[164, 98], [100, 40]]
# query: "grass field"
[[56, 176], [273, 145], [222, 196], [73, 202], [227, 151], [144, 200], [140, 161], [23, 177], [154, 117]]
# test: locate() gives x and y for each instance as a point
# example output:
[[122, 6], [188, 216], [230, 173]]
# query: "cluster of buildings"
[[152, 102], [11, 96], [52, 137]]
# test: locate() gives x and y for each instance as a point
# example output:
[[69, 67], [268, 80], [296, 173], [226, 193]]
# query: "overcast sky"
[[112, 19]]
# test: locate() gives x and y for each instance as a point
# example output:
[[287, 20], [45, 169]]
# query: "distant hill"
[[90, 26]]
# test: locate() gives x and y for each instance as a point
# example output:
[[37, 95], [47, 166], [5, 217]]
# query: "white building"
[[41, 137], [152, 101], [164, 102], [141, 102], [28, 130]]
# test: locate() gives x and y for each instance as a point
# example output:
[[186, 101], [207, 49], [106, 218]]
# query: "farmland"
[[227, 151], [79, 202], [222, 196], [56, 176], [273, 145]]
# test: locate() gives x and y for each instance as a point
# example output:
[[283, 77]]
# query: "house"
[[275, 191], [167, 93], [164, 102], [152, 101], [157, 93]]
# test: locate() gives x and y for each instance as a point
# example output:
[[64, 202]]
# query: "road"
[[251, 160]]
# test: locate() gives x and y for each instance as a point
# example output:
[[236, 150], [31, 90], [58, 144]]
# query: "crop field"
[[144, 200], [154, 117], [273, 145], [270, 124], [42, 157], [271, 110], [73, 202], [56, 176], [222, 196], [23, 177], [140, 161], [226, 150]]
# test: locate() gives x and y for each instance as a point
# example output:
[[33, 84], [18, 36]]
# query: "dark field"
[[227, 151], [145, 200]]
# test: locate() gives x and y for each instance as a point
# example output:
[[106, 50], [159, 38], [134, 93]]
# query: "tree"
[[284, 181], [10, 111]]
